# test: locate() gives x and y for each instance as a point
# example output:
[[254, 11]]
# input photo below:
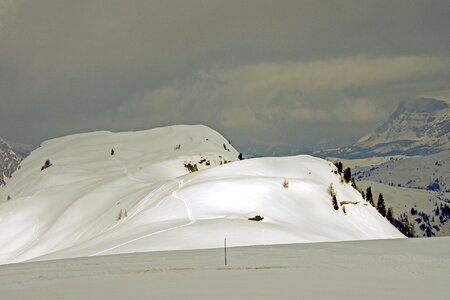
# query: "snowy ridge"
[[107, 193]]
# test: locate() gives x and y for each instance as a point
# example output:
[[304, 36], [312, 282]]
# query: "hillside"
[[429, 214], [420, 172], [408, 156], [105, 193]]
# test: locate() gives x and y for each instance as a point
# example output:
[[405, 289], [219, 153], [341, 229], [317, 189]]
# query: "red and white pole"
[[225, 249]]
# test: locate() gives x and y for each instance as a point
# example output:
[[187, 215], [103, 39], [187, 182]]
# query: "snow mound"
[[171, 188]]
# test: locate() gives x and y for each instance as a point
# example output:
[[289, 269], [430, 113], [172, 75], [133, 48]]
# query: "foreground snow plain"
[[171, 188], [381, 269]]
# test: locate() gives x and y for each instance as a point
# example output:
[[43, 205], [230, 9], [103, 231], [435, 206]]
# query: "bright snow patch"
[[108, 193]]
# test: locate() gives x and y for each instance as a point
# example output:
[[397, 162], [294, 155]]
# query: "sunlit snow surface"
[[144, 198]]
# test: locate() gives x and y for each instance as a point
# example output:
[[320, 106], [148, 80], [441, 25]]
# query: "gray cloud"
[[271, 95], [264, 71]]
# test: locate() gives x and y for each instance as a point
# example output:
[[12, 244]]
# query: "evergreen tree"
[[390, 215], [353, 183], [339, 167], [347, 175], [363, 195], [334, 201], [369, 196], [405, 227], [381, 207]]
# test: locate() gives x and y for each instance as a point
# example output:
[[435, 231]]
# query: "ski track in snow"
[[163, 189], [140, 238]]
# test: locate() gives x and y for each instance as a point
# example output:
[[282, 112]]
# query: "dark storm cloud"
[[268, 71]]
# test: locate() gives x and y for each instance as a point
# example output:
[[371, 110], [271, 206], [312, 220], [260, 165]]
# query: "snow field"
[[381, 269]]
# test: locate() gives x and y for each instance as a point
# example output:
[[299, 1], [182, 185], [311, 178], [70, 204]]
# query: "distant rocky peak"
[[422, 105], [417, 127], [415, 115], [9, 160]]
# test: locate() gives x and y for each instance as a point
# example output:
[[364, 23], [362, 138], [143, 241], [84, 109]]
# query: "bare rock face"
[[9, 160], [416, 127]]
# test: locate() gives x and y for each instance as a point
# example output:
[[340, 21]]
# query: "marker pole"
[[225, 248]]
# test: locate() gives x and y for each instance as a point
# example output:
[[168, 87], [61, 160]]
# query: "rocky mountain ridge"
[[9, 160], [416, 127]]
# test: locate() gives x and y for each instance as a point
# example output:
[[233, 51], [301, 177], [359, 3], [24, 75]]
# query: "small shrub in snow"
[[191, 167], [112, 152], [285, 184], [177, 147], [123, 213], [8, 198], [46, 165], [256, 218], [331, 190]]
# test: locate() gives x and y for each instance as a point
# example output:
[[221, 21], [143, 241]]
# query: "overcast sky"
[[297, 72]]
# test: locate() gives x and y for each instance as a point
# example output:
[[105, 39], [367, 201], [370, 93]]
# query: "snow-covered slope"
[[370, 270], [416, 127], [105, 193]]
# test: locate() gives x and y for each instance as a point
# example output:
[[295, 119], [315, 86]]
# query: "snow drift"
[[178, 187]]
